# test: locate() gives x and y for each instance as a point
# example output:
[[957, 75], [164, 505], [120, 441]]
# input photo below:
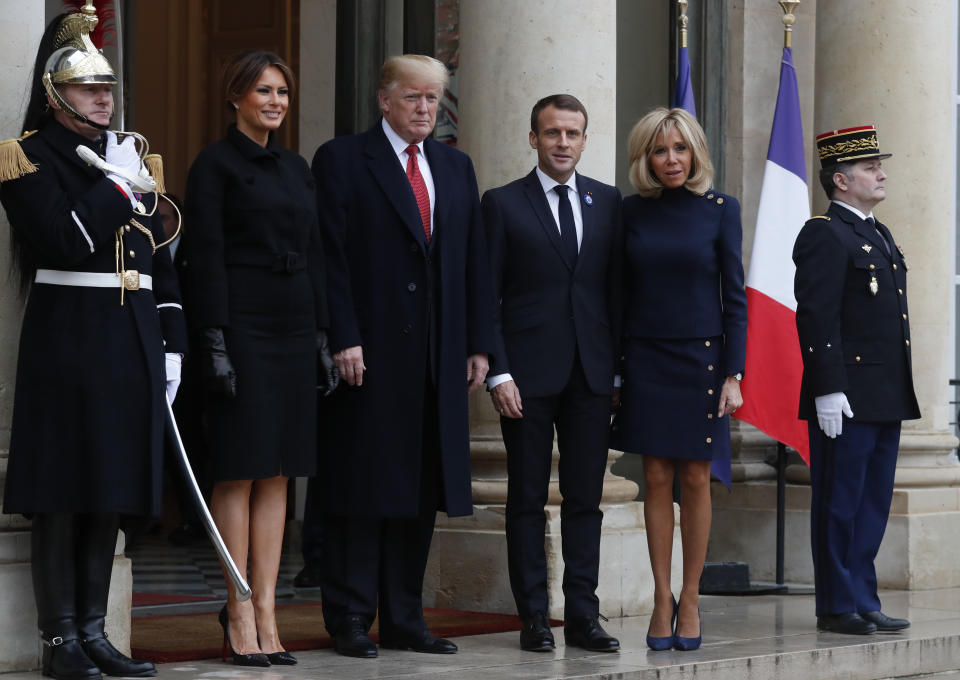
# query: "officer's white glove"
[[830, 411], [173, 362]]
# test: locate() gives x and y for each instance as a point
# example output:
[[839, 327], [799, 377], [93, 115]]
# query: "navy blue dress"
[[685, 324]]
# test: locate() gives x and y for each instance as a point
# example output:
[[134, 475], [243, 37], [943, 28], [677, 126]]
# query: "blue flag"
[[683, 92]]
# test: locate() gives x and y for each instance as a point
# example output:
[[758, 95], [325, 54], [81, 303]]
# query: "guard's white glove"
[[125, 167], [830, 411], [173, 361]]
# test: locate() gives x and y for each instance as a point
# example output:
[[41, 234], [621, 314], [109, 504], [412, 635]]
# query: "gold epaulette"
[[13, 162], [820, 217], [154, 164]]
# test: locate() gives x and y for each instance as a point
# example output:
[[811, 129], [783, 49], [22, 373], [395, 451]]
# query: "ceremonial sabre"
[[239, 583]]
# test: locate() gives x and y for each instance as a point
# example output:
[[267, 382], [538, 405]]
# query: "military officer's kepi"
[[848, 145]]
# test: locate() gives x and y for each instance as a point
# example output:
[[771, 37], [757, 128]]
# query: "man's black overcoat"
[[417, 310]]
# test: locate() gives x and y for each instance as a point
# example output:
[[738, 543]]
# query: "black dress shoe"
[[587, 633], [884, 622], [112, 662], [352, 639], [309, 576], [535, 636], [422, 642], [848, 624]]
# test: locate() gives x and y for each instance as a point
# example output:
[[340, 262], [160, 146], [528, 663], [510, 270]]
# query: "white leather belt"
[[131, 280]]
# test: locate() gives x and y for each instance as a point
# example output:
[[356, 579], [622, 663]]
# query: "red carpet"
[[147, 599], [187, 637]]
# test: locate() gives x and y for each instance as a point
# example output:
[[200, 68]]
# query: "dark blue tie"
[[883, 239], [568, 230]]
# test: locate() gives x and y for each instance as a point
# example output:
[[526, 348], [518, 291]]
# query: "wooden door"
[[177, 54]]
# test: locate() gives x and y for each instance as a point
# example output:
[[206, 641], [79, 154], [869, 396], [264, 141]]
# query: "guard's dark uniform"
[[88, 416], [853, 325]]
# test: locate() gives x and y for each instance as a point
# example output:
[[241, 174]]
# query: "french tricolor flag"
[[771, 381]]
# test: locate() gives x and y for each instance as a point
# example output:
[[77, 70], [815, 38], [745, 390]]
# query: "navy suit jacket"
[[417, 309], [548, 308], [852, 340]]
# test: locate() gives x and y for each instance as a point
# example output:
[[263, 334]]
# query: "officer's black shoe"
[[535, 636], [422, 642], [66, 660], [587, 633], [352, 640], [847, 624], [884, 622], [309, 576], [112, 662]]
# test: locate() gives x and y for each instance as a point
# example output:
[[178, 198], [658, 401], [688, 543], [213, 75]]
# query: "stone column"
[[891, 64], [888, 64], [512, 53], [744, 520], [755, 42], [22, 24]]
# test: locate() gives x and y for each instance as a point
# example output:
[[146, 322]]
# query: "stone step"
[[927, 648]]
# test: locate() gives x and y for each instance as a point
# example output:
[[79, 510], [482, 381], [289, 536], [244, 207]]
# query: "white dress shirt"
[[854, 210], [400, 148], [553, 200]]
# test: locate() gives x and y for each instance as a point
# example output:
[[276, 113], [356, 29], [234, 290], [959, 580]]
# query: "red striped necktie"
[[419, 188]]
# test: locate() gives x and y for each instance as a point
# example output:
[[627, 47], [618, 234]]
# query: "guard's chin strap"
[[86, 121], [65, 105]]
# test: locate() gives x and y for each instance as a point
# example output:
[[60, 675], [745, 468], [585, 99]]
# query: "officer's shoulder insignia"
[[821, 217], [154, 163], [13, 162]]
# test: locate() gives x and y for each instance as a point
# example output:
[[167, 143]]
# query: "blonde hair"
[[412, 68], [643, 139]]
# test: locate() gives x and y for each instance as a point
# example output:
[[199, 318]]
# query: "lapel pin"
[[588, 198], [866, 247]]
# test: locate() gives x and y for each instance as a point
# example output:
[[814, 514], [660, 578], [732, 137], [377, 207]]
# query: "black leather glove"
[[219, 378], [328, 377]]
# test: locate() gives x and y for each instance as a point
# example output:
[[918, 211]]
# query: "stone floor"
[[745, 638]]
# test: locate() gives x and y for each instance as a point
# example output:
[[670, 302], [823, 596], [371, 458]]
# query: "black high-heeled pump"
[[282, 658], [256, 659]]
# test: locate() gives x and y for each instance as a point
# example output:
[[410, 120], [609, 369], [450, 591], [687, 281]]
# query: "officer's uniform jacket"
[[852, 317], [88, 417]]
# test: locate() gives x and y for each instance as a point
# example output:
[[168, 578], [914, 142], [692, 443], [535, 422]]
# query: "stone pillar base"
[[19, 642], [20, 646], [915, 555], [468, 562]]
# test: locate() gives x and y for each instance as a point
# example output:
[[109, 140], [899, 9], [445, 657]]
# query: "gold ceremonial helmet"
[[76, 60]]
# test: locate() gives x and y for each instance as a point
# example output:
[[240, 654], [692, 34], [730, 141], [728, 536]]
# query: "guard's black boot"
[[52, 568], [65, 659], [97, 538]]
